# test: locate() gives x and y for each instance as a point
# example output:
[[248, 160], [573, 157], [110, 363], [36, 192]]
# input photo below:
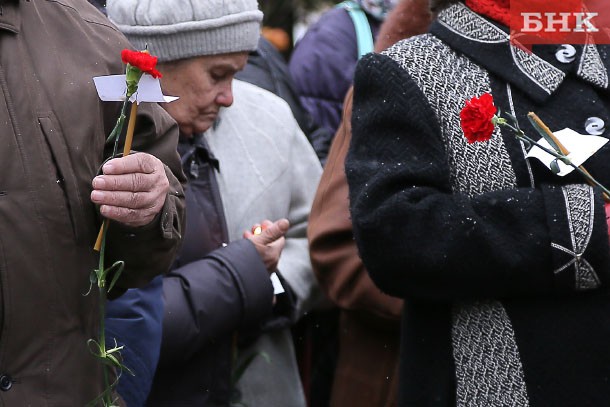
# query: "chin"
[[202, 128], [203, 125]]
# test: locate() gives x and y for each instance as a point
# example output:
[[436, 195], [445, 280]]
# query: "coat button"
[[595, 126], [566, 53], [6, 382]]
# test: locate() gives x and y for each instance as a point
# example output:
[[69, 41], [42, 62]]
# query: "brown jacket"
[[369, 331], [369, 324], [53, 128]]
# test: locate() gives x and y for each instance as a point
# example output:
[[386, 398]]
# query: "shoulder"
[[334, 30], [97, 37], [419, 51], [257, 121], [423, 59], [259, 104], [82, 11], [332, 21]]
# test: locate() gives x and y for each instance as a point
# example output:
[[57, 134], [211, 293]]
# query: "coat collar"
[[10, 19], [538, 74]]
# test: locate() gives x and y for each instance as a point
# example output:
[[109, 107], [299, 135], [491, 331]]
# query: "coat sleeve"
[[419, 239], [149, 250], [295, 264], [135, 321], [334, 254], [208, 299]]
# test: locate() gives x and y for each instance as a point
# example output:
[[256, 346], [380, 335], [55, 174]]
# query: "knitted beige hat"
[[178, 29]]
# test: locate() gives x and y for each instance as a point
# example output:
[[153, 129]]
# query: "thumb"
[[275, 231]]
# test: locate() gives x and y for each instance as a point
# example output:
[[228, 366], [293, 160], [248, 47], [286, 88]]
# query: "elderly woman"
[[504, 266], [246, 161]]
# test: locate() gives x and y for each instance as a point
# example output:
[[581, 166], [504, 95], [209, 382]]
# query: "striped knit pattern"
[[488, 368]]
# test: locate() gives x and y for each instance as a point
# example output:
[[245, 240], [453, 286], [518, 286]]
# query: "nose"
[[225, 96]]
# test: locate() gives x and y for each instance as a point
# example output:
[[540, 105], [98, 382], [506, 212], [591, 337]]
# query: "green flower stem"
[[101, 284], [115, 133], [102, 352], [557, 154], [112, 357], [119, 126]]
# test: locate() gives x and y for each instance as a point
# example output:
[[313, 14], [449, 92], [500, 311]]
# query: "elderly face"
[[203, 85]]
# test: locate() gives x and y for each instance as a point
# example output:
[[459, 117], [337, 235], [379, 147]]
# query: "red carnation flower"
[[141, 60], [476, 118]]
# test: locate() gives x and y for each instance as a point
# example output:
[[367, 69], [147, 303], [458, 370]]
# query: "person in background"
[[247, 163], [267, 68], [322, 68], [134, 320], [503, 266], [369, 325], [323, 61], [54, 129]]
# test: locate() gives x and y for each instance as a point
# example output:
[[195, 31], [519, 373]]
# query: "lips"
[[209, 115]]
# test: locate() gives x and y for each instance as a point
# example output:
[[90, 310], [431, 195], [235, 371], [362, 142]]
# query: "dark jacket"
[[54, 128], [322, 67], [134, 320], [504, 266], [213, 289]]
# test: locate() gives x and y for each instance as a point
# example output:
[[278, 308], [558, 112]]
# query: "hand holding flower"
[[132, 189]]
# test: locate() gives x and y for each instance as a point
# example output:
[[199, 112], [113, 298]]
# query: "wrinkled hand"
[[132, 189], [270, 242]]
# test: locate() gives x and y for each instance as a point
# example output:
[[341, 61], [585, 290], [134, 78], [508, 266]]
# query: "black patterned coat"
[[504, 266]]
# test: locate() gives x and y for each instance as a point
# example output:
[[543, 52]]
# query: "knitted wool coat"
[[504, 266]]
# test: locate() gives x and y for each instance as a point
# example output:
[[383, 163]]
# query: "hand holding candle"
[[268, 239]]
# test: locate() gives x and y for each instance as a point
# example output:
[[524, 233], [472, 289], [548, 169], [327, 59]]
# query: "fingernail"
[[99, 182], [107, 168], [97, 196]]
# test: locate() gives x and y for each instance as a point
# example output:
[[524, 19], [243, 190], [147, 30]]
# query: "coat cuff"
[[579, 238], [251, 279]]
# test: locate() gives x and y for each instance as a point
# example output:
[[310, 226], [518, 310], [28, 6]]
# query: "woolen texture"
[[504, 266], [178, 29], [497, 10]]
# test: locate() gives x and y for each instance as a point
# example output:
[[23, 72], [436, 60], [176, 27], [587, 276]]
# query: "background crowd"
[[307, 225]]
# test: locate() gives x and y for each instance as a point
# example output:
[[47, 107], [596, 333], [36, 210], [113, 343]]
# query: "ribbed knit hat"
[[178, 29]]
